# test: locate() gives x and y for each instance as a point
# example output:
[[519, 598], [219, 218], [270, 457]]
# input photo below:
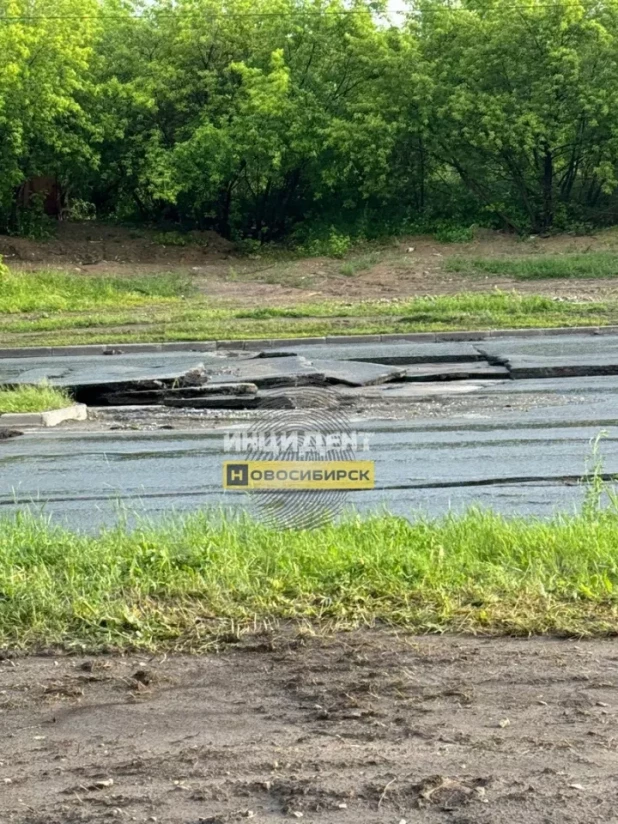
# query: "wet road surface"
[[517, 462]]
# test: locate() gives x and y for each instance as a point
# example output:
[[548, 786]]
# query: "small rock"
[[143, 676], [576, 786], [103, 784], [504, 723], [194, 377]]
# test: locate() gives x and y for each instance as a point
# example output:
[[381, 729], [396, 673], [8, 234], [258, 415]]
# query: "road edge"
[[279, 343]]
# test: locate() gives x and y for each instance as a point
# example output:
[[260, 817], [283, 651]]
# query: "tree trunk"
[[547, 215]]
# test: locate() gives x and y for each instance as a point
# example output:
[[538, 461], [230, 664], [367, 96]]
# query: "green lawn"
[[539, 267], [33, 399], [154, 317], [51, 291], [182, 584]]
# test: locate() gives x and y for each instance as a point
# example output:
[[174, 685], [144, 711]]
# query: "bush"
[[446, 233], [335, 245]]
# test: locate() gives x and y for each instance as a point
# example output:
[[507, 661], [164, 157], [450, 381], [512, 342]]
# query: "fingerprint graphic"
[[317, 411]]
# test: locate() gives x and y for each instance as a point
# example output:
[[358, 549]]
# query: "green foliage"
[[151, 585], [42, 398], [33, 223], [46, 113], [259, 120], [334, 245], [51, 291], [360, 264], [77, 309], [540, 267], [446, 233]]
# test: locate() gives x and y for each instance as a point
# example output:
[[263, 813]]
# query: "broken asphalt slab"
[[521, 367], [589, 385], [119, 396], [7, 434], [454, 371], [388, 354], [268, 373], [357, 373], [549, 347], [239, 379], [99, 370]]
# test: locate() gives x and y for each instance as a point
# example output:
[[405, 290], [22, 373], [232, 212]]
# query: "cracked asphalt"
[[518, 446]]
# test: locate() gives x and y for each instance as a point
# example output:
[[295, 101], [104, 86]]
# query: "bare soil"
[[362, 727], [406, 268]]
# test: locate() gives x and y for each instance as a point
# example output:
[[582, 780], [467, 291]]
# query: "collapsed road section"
[[251, 380], [382, 372], [516, 445]]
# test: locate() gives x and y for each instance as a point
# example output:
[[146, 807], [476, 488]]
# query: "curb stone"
[[77, 412], [273, 343]]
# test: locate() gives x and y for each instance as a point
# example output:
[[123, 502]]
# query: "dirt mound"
[[92, 243]]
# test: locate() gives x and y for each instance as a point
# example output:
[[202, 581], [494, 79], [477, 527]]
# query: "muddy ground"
[[403, 268], [362, 727]]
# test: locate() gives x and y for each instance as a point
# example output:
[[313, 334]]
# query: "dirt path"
[[364, 727], [405, 268]]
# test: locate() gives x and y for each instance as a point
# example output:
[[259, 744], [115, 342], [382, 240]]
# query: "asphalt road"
[[517, 462]]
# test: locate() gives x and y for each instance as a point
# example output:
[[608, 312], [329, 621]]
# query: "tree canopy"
[[264, 119]]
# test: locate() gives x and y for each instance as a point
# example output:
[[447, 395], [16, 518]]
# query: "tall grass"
[[540, 267], [179, 583], [80, 309], [42, 398], [51, 291]]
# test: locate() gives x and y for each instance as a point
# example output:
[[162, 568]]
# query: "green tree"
[[525, 104], [45, 51]]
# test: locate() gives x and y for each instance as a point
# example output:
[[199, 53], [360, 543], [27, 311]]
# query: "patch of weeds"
[[449, 233], [34, 224], [540, 267], [51, 291], [150, 586], [173, 238], [335, 245], [41, 398], [361, 264]]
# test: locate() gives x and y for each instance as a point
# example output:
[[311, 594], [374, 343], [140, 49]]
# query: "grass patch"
[[361, 264], [172, 238], [539, 267], [197, 319], [177, 584], [40, 398], [50, 291]]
